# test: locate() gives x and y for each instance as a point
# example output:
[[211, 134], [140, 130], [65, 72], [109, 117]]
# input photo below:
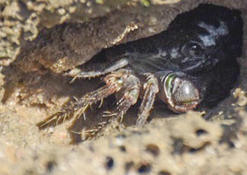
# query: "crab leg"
[[78, 107], [131, 90], [114, 82], [150, 88], [129, 98], [115, 117], [77, 73]]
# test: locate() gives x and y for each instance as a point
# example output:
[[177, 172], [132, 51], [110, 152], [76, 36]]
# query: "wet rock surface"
[[169, 144]]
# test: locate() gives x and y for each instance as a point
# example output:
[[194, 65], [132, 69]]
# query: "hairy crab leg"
[[113, 119], [77, 73], [151, 88], [129, 98], [114, 82], [78, 107], [131, 90]]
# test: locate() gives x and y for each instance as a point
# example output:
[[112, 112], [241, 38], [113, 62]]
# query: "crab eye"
[[180, 93], [192, 49]]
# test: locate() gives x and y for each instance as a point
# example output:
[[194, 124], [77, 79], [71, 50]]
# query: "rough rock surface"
[[169, 144]]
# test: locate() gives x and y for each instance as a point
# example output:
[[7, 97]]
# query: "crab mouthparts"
[[179, 93]]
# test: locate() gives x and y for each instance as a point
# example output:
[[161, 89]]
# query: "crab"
[[192, 63]]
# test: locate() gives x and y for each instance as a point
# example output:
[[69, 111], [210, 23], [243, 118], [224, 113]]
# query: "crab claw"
[[179, 92]]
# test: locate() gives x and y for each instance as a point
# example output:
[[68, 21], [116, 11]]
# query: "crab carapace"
[[193, 62]]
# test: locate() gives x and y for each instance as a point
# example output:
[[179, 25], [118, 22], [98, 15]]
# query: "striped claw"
[[179, 92]]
